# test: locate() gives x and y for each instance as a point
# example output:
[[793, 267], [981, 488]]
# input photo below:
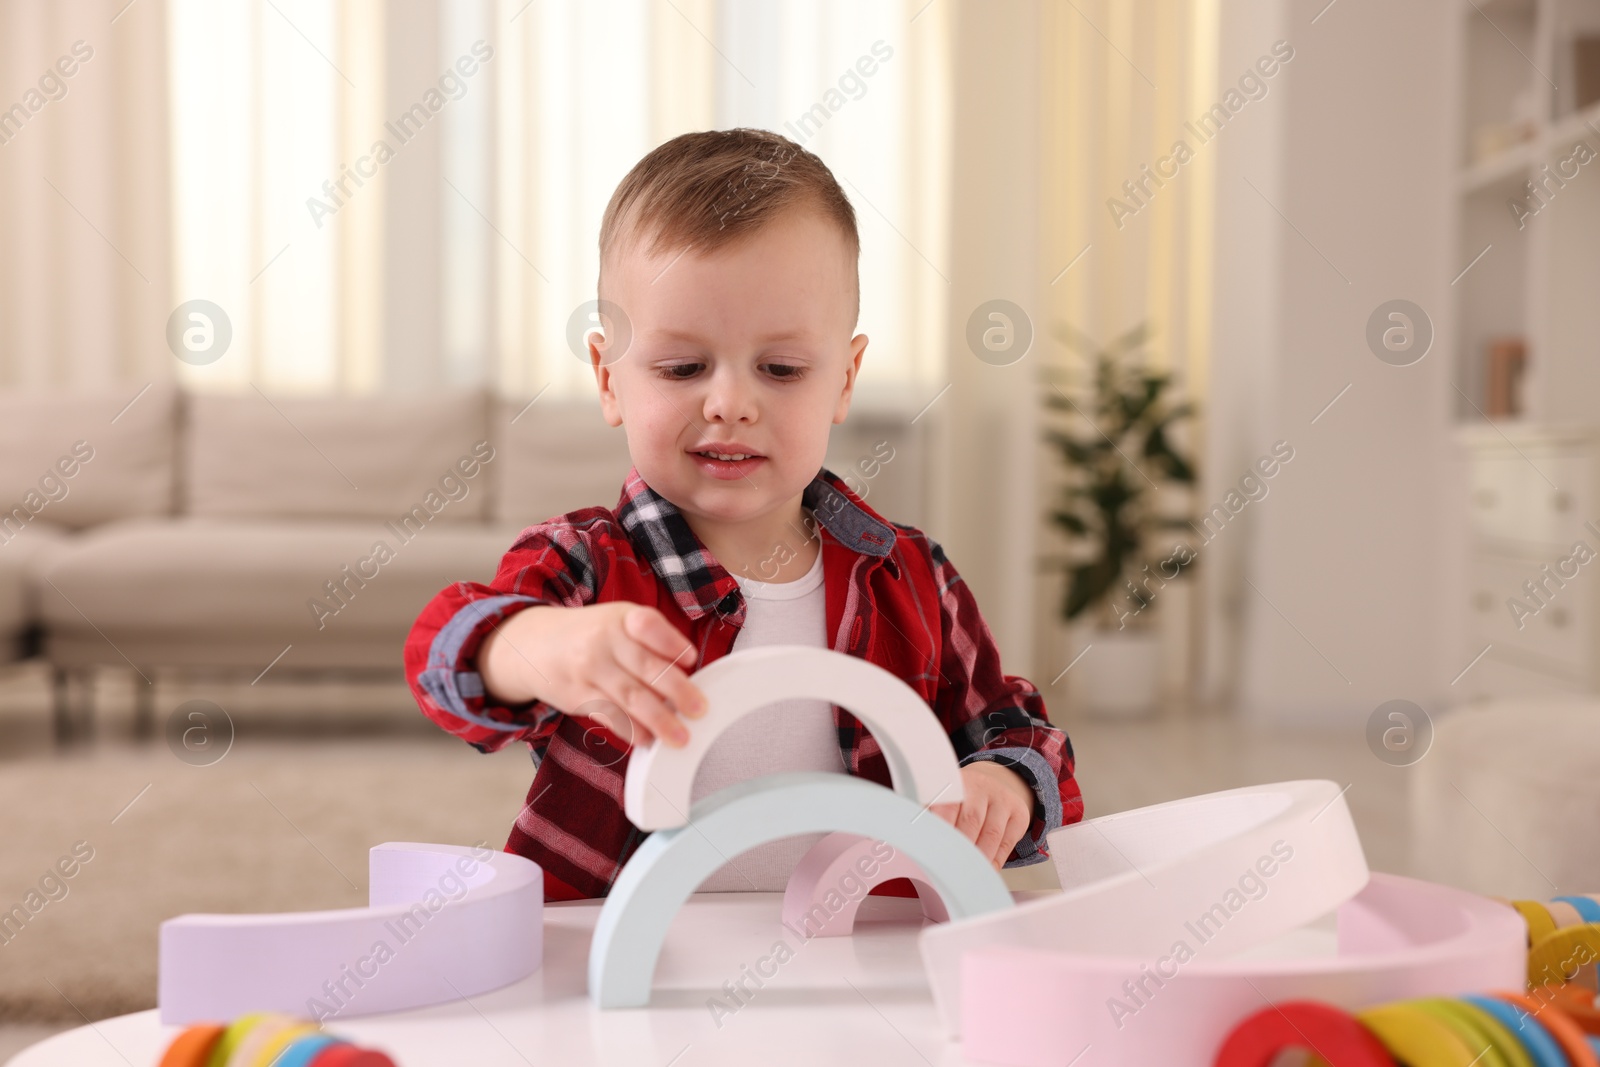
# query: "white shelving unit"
[[1527, 199], [1539, 275]]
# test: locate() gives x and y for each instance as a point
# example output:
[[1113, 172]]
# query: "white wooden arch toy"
[[456, 921], [922, 762], [1271, 857], [666, 868], [846, 867]]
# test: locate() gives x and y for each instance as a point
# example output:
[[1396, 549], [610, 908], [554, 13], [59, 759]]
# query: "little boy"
[[731, 256]]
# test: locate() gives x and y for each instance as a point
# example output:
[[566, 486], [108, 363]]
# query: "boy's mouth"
[[709, 461]]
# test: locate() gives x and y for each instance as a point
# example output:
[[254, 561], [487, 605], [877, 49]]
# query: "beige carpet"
[[273, 826]]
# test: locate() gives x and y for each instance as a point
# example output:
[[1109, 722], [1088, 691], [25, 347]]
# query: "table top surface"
[[857, 999]]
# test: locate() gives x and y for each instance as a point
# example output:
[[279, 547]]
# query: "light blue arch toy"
[[671, 863]]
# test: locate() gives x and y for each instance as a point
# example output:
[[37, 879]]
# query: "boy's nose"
[[729, 398]]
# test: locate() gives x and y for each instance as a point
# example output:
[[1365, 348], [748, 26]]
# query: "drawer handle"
[[1561, 500]]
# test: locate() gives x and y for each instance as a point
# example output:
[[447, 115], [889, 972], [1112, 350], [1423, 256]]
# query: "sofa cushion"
[[366, 457], [19, 556], [84, 457], [554, 457], [220, 579]]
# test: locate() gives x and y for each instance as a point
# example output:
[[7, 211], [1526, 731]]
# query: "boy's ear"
[[858, 348], [608, 396]]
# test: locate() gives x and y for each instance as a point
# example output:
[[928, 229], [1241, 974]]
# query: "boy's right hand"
[[619, 663]]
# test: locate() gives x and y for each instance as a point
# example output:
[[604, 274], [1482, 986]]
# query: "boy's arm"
[[1001, 717], [551, 563]]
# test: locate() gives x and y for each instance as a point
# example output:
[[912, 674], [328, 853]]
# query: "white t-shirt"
[[786, 735]]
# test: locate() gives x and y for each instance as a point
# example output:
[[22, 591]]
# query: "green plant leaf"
[[1087, 585], [1070, 522], [1104, 501], [1074, 450], [1156, 447]]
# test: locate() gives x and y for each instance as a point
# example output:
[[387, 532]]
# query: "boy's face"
[[749, 344]]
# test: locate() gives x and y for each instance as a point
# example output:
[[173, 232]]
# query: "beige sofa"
[[248, 536]]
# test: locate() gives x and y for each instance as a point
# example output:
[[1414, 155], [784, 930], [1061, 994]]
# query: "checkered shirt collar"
[[698, 582]]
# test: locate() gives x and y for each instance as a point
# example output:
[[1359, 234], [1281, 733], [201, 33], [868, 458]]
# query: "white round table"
[[858, 999]]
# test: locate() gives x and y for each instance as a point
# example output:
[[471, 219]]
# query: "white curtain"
[[462, 258], [84, 266], [1119, 80]]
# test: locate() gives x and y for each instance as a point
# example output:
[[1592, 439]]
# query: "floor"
[[296, 800]]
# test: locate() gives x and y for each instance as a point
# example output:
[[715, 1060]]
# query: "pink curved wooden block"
[[1398, 939], [835, 864]]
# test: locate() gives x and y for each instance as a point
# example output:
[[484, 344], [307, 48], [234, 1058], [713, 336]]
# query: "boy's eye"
[[783, 372]]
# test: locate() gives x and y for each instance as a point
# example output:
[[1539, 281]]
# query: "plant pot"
[[1119, 677]]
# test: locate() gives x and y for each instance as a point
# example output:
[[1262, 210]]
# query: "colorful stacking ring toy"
[[1566, 1032], [266, 1039], [1555, 1024], [271, 1049], [1300, 1024], [1573, 1001], [1535, 1039], [268, 1029], [1561, 955], [222, 1052], [1495, 1044], [1497, 1029], [304, 1051], [1418, 1037], [1540, 924], [1587, 907], [192, 1048]]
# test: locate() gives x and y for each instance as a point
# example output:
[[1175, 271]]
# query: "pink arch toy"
[[835, 864], [1398, 939]]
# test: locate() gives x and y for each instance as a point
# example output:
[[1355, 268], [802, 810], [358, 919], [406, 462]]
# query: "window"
[[461, 256]]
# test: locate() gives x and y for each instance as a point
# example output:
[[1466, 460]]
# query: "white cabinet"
[[1532, 590]]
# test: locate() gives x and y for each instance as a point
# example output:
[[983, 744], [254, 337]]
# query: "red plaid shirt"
[[891, 595]]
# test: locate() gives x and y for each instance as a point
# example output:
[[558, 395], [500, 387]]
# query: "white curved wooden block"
[[454, 921], [922, 762], [1270, 857], [667, 867], [848, 866]]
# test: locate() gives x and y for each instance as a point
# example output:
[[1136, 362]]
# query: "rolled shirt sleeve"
[[548, 564], [995, 716]]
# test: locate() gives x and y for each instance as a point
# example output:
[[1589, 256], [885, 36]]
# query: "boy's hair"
[[710, 188]]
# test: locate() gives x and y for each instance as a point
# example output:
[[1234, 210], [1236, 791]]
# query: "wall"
[[1341, 568], [983, 487]]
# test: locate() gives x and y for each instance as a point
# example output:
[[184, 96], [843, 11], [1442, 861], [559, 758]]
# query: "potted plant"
[[1126, 483]]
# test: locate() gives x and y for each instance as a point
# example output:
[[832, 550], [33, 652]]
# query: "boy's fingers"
[[991, 836], [1016, 830], [970, 819], [650, 628], [642, 704], [662, 676]]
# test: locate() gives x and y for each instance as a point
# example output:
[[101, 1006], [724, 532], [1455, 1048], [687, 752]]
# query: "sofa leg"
[[74, 710]]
